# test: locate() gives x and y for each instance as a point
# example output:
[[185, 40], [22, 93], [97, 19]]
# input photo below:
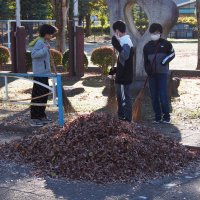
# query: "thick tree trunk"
[[61, 14], [198, 24], [159, 11]]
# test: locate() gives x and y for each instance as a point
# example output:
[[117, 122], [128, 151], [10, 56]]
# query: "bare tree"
[[198, 25], [61, 8], [160, 11]]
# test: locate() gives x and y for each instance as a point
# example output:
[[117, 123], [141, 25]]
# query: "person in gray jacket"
[[41, 65]]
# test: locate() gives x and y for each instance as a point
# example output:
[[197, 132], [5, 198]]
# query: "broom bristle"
[[68, 108], [111, 100], [137, 106]]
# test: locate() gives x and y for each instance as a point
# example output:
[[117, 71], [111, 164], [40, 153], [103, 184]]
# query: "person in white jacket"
[[41, 65]]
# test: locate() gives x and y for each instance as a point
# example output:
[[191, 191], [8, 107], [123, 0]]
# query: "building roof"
[[180, 3]]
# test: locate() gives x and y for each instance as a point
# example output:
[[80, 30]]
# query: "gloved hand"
[[112, 71], [116, 44]]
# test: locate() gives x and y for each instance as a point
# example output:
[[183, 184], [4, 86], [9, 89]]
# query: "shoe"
[[156, 121], [124, 119], [45, 120], [36, 123], [166, 121]]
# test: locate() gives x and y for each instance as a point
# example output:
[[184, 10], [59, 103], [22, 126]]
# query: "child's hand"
[[112, 71]]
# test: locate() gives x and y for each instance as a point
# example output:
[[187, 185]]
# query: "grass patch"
[[194, 114]]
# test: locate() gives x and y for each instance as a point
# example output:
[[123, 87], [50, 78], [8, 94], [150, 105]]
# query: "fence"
[[55, 90], [31, 27]]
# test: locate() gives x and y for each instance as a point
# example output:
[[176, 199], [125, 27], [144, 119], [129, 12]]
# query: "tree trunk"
[[160, 11], [61, 14], [198, 25], [88, 26]]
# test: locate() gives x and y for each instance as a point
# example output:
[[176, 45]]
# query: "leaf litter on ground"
[[100, 148]]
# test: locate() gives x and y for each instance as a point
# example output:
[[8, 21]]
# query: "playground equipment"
[[55, 90]]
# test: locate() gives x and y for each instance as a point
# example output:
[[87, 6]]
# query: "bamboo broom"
[[111, 100], [68, 108], [137, 105]]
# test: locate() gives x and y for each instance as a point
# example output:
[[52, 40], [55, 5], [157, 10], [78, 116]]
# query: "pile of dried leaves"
[[100, 148]]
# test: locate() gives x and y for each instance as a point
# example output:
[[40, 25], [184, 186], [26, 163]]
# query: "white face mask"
[[155, 37]]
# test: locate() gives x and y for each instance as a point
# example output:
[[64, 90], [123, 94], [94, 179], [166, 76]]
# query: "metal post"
[[6, 88], [54, 90], [60, 101], [75, 34], [8, 33], [18, 13], [76, 13]]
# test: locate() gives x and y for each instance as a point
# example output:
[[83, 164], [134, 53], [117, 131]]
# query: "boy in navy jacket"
[[124, 70], [157, 54]]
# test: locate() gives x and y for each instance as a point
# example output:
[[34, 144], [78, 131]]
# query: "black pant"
[[38, 112]]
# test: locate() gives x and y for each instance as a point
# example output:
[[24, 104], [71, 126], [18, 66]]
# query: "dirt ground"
[[92, 94]]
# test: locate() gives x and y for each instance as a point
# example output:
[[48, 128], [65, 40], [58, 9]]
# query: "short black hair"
[[47, 29], [120, 25], [155, 27]]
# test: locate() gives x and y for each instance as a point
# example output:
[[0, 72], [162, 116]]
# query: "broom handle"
[[145, 83], [52, 61], [113, 58]]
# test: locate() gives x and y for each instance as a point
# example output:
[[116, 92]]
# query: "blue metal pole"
[[60, 101]]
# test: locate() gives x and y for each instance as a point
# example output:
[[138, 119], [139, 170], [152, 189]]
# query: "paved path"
[[16, 183]]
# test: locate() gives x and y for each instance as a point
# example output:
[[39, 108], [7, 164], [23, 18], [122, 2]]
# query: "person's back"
[[40, 57], [124, 72]]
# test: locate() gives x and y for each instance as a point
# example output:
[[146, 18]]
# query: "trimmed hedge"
[[98, 30], [65, 60], [57, 57], [104, 57], [4, 55]]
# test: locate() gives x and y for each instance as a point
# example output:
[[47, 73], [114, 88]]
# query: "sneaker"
[[36, 123], [156, 121], [166, 121], [45, 120]]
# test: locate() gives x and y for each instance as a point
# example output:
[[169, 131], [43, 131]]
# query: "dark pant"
[[124, 102], [159, 96], [38, 112]]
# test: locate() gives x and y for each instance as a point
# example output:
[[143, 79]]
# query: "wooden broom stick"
[[66, 103]]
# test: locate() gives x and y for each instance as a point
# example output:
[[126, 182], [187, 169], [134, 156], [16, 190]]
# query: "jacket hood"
[[125, 40], [32, 43]]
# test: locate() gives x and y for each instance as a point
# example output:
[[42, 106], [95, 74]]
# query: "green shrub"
[[57, 57], [104, 57], [28, 61], [98, 29], [65, 60], [4, 55]]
